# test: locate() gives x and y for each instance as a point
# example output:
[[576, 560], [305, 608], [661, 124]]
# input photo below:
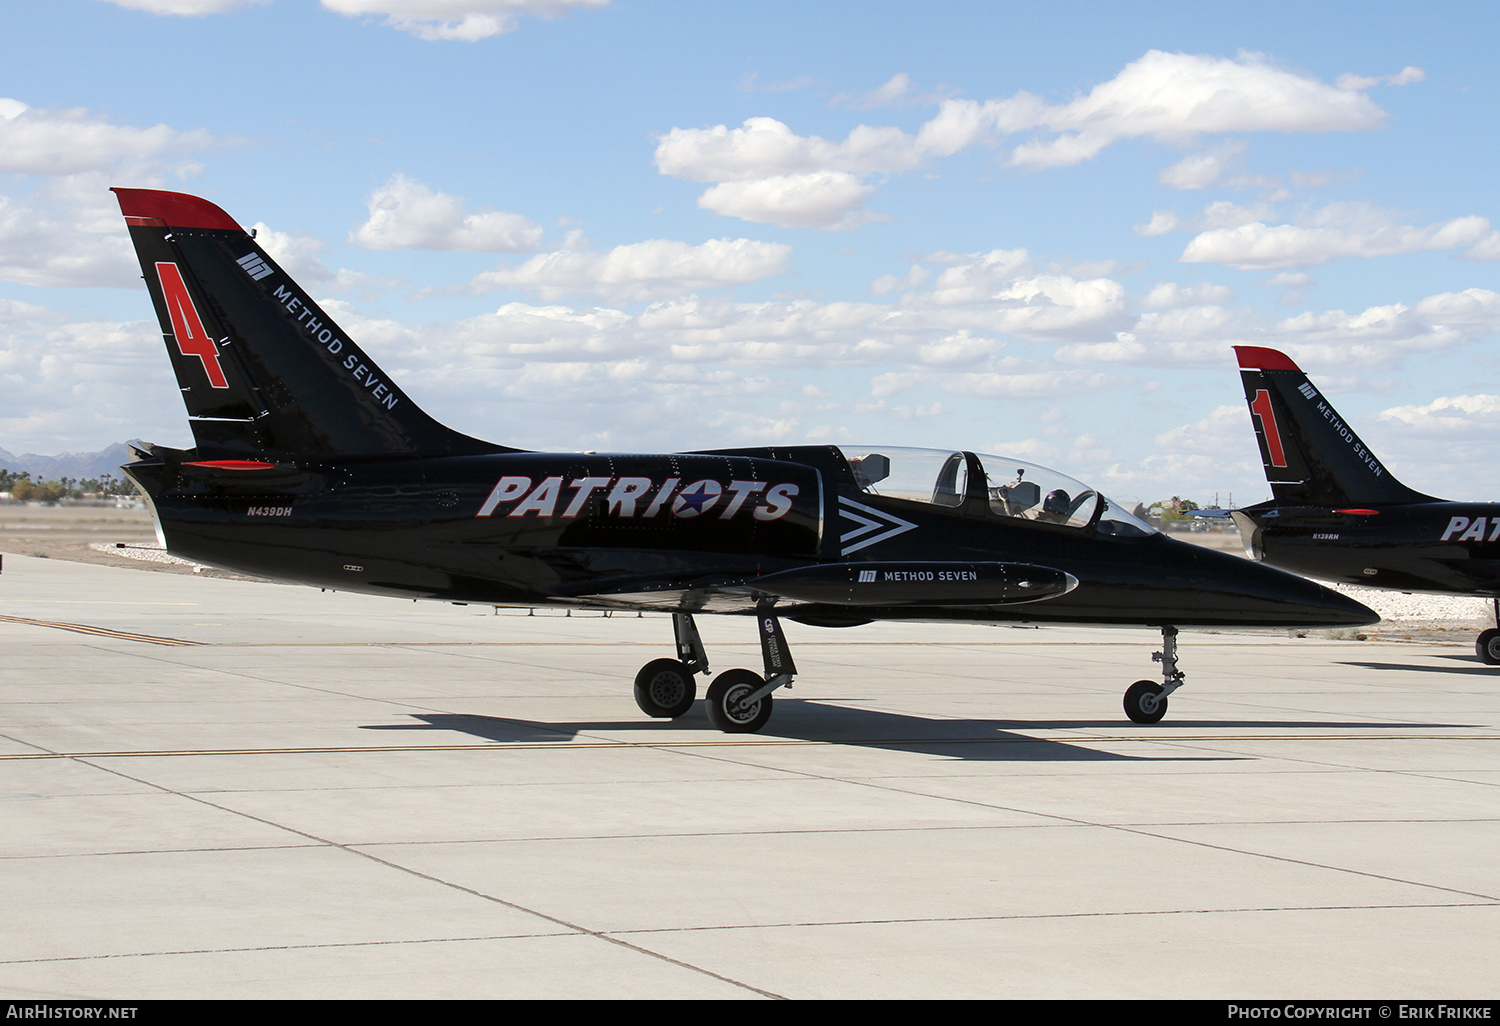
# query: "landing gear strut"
[[664, 687], [1488, 645], [1146, 700], [739, 701]]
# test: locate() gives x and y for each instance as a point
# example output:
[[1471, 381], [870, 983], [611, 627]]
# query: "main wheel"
[[664, 688], [723, 702], [1488, 646], [1146, 702]]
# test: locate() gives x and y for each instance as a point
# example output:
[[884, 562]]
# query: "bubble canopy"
[[1015, 488]]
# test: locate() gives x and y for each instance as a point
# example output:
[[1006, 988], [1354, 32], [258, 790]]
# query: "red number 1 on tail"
[[1261, 408]]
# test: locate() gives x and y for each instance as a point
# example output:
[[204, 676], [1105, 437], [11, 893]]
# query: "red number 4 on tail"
[[187, 326]]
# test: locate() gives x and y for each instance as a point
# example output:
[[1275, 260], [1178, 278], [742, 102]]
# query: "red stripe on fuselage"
[[232, 464]]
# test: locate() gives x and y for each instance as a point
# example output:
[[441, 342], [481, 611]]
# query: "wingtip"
[[1258, 358], [172, 209]]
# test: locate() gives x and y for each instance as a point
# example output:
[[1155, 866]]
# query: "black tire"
[[665, 689], [1487, 647], [723, 697], [1146, 702]]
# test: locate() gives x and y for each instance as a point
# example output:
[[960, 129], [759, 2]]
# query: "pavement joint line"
[[766, 743], [788, 925], [1155, 831], [1119, 913], [578, 928]]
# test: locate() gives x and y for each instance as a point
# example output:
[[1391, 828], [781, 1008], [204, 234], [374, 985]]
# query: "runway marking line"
[[746, 743], [102, 632]]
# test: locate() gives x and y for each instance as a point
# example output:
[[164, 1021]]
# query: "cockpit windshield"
[[1014, 488], [916, 475]]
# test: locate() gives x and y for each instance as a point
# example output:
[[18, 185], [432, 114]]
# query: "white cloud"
[[1170, 294], [1460, 414], [67, 233], [62, 142], [897, 92], [79, 385], [888, 283], [1382, 336], [405, 214], [1406, 76], [1200, 170], [1337, 231], [641, 270], [959, 349], [464, 20], [1219, 214], [823, 199], [763, 147], [297, 254], [977, 277], [1041, 384], [1172, 97]]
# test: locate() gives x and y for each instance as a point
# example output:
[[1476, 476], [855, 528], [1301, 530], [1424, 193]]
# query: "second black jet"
[[311, 465], [1337, 513]]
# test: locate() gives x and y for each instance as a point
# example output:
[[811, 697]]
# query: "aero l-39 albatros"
[[1338, 514], [310, 465]]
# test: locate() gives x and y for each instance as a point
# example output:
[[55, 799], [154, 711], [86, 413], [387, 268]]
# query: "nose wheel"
[[1146, 700]]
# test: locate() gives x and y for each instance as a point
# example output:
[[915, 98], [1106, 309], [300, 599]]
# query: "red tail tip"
[[1256, 358], [174, 209]]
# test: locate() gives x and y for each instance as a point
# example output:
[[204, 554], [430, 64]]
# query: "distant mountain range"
[[74, 465]]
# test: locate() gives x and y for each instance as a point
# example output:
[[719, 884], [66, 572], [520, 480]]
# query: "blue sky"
[[1028, 229]]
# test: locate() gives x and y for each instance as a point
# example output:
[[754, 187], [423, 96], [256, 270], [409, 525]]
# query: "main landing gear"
[[738, 701], [1146, 700], [1488, 644]]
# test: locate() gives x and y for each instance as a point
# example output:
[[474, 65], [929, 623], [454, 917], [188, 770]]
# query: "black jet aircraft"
[[1339, 514], [311, 465]]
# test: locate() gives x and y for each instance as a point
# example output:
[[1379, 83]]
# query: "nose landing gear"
[[1146, 700]]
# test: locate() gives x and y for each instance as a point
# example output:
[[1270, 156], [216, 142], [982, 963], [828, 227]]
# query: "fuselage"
[[687, 532], [1442, 547]]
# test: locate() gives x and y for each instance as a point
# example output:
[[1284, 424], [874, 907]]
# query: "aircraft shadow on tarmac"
[[1472, 667], [799, 720]]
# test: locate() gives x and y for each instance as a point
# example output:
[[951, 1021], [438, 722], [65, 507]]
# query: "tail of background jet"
[[263, 370], [1312, 458]]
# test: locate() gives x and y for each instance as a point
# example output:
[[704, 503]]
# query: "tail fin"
[[1311, 457], [263, 370]]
